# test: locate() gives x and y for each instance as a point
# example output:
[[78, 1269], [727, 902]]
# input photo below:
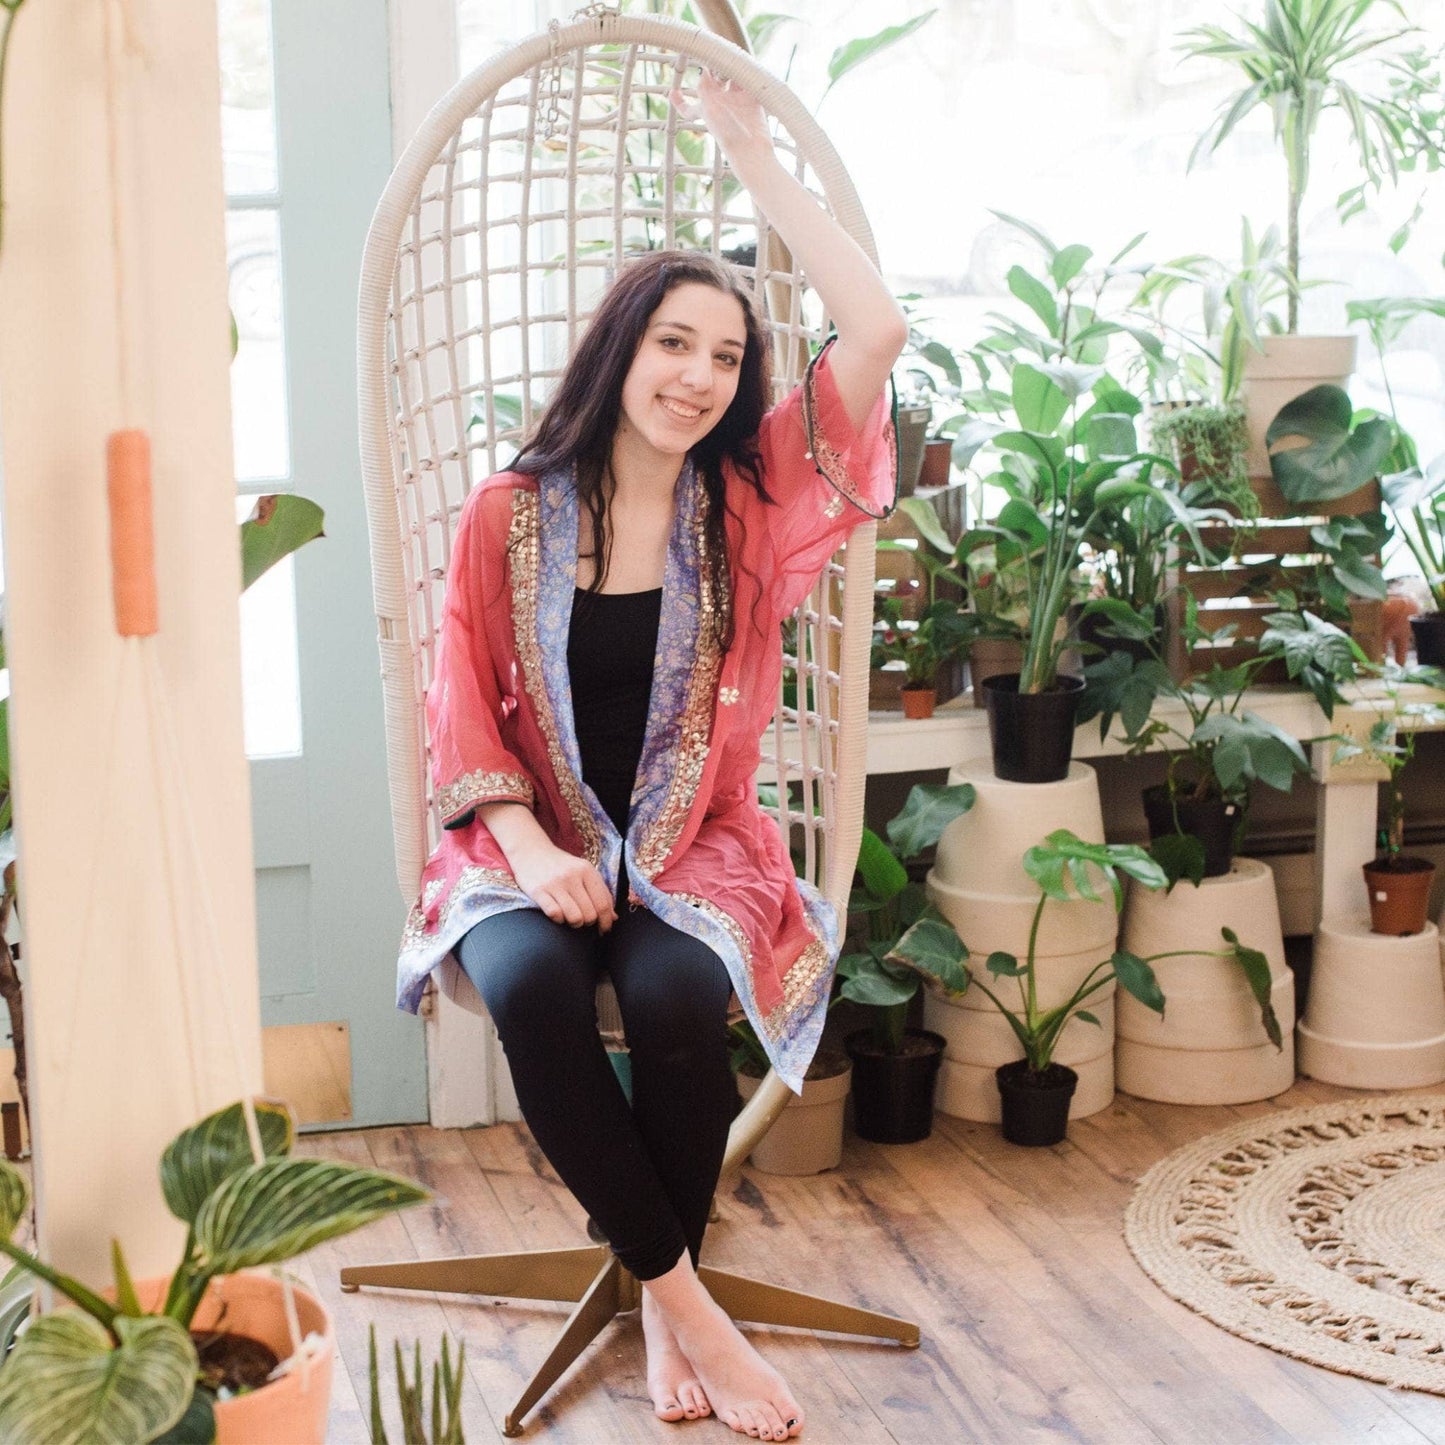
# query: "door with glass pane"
[[306, 126]]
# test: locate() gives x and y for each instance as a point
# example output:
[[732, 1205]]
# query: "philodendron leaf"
[[1337, 460], [1004, 965], [1087, 1017], [200, 1159], [277, 526], [932, 947], [198, 1425], [866, 981], [928, 810], [66, 1383], [1138, 978], [277, 1210], [883, 875], [1255, 967], [1181, 856], [14, 1196]]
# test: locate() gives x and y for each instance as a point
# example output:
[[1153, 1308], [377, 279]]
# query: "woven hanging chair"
[[498, 232]]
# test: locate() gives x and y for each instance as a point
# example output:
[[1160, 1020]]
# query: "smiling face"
[[685, 373]]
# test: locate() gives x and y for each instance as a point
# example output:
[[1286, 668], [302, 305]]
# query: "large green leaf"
[[866, 981], [1255, 967], [14, 1196], [66, 1383], [1247, 748], [277, 526], [277, 1210], [934, 949], [925, 518], [1037, 297], [1038, 402], [197, 1426], [854, 52], [1121, 685], [199, 1159], [883, 875], [1181, 856], [1337, 461], [1060, 866], [1316, 653], [928, 810], [1138, 978]]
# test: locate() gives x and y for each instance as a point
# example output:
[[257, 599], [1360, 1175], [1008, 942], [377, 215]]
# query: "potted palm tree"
[[1034, 1090], [895, 1068], [1302, 58], [181, 1353]]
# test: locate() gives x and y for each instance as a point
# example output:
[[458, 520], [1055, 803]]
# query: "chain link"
[[552, 98]]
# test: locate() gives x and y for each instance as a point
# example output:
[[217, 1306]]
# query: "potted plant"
[[921, 646], [1306, 57], [1034, 1090], [1398, 883], [895, 1068], [1197, 816], [446, 1392], [807, 1137], [147, 1361], [932, 378]]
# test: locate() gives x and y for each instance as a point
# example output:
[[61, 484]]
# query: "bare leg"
[[747, 1393], [676, 1391]]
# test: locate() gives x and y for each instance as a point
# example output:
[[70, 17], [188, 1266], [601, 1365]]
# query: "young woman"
[[610, 655]]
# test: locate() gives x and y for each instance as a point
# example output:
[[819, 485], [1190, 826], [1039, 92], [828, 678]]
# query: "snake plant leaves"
[[1255, 967], [1138, 978], [14, 1196], [929, 809], [273, 1211], [200, 1159], [932, 947], [67, 1383], [1337, 460]]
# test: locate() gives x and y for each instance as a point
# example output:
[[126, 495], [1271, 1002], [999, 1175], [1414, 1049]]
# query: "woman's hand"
[[737, 122], [566, 888]]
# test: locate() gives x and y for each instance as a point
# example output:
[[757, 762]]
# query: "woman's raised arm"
[[871, 328]]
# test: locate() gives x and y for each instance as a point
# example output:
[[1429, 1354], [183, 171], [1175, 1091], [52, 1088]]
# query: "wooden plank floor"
[[1037, 1323]]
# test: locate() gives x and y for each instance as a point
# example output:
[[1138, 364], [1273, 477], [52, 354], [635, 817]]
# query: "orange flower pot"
[[918, 701]]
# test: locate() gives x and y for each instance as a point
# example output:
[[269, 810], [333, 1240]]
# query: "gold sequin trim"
[[828, 459], [482, 787], [417, 931], [524, 546], [697, 717]]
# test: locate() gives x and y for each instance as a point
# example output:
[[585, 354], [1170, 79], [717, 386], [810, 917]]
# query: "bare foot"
[[747, 1393], [673, 1384]]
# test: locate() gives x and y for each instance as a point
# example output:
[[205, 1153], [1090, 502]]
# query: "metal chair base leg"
[[769, 1304], [550, 1274]]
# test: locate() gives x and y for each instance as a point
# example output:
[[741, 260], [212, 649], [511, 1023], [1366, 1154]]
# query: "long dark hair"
[[581, 419]]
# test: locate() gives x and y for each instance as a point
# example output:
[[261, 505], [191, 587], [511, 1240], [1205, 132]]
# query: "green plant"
[[890, 904], [115, 1371], [1223, 748], [1209, 440], [1061, 866], [1391, 745], [446, 1397]]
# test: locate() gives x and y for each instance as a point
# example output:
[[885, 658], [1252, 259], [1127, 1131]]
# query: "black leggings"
[[646, 1174]]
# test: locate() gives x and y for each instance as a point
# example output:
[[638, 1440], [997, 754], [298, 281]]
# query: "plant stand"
[[978, 883], [1376, 1012], [1210, 1047]]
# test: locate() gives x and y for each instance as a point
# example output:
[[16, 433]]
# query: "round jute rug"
[[1319, 1232]]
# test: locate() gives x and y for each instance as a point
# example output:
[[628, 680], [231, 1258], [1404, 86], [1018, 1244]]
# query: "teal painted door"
[[329, 910]]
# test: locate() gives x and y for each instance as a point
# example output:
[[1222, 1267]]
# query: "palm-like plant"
[[114, 1371], [1309, 56]]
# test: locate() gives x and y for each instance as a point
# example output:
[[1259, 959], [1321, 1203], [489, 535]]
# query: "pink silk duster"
[[700, 852]]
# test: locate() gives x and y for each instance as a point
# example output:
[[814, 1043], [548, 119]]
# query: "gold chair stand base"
[[594, 1279]]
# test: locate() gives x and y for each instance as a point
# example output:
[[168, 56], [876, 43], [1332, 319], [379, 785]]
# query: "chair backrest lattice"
[[499, 231]]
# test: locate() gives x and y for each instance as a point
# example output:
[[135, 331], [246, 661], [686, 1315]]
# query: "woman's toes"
[[694, 1401], [668, 1409]]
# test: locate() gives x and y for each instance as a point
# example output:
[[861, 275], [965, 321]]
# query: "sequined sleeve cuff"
[[457, 801], [860, 465]]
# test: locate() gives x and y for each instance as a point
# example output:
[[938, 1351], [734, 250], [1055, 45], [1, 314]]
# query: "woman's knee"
[[531, 972]]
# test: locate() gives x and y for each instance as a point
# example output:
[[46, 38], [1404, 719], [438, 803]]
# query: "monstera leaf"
[[1337, 460], [1060, 866], [68, 1383]]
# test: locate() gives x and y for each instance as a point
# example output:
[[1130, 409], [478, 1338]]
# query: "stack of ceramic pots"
[[1210, 1047], [978, 883]]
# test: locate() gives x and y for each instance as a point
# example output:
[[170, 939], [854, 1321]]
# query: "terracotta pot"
[[1399, 895], [918, 701], [937, 463], [807, 1137], [288, 1409]]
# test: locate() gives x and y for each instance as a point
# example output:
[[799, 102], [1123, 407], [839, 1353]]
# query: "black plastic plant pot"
[[1032, 734], [893, 1093], [1212, 820], [1035, 1106], [1429, 633]]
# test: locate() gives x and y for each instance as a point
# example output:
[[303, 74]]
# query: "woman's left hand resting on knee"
[[568, 889]]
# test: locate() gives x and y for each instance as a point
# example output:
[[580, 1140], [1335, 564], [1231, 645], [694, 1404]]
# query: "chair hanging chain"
[[552, 106]]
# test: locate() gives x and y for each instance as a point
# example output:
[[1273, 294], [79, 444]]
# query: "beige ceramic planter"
[[978, 883], [807, 1137], [1210, 1047], [1289, 367], [1375, 1018], [292, 1409]]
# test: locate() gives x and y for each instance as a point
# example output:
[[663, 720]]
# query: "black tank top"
[[610, 650]]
